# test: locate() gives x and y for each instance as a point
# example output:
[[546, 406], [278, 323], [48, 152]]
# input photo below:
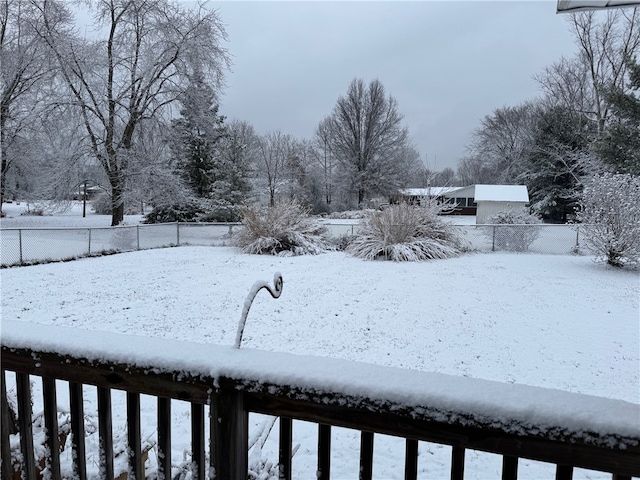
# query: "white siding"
[[488, 209]]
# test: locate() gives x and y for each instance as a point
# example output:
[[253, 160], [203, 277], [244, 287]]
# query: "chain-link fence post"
[[138, 236], [89, 250], [178, 233], [577, 238], [493, 240], [20, 244]]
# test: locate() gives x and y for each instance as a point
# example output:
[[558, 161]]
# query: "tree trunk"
[[3, 177], [360, 197], [117, 199]]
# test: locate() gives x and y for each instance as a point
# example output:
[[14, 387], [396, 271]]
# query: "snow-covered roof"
[[501, 193], [577, 5], [429, 191]]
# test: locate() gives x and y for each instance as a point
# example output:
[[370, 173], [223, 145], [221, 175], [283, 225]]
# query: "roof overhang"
[[568, 6]]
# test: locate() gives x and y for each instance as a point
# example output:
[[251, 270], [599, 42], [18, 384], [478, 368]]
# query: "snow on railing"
[[515, 421]]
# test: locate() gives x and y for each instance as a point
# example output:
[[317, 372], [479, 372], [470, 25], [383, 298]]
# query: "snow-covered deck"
[[509, 419]]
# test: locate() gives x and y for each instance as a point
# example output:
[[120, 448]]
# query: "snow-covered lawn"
[[552, 321]]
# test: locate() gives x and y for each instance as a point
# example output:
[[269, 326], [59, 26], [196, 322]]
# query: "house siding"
[[488, 209]]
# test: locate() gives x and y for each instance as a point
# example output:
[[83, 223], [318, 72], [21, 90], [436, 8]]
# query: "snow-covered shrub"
[[182, 212], [101, 204], [199, 210], [611, 214], [351, 214], [517, 238], [286, 229], [342, 242], [219, 210], [124, 239], [405, 233]]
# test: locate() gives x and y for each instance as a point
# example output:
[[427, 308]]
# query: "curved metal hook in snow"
[[259, 285]]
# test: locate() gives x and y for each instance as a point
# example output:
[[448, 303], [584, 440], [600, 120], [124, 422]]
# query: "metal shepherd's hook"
[[259, 285]]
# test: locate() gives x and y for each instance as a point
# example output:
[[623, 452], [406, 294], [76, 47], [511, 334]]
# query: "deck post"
[[229, 435]]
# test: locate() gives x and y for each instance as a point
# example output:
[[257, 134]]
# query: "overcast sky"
[[447, 63]]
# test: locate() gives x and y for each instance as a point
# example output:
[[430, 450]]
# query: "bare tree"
[[326, 158], [274, 150], [148, 51], [367, 137], [503, 141], [474, 170], [25, 69], [605, 46]]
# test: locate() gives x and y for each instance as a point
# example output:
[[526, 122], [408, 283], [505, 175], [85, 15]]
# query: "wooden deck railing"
[[229, 402]]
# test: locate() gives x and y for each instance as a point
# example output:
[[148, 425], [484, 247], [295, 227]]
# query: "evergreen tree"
[[555, 171], [198, 132], [619, 146], [230, 185]]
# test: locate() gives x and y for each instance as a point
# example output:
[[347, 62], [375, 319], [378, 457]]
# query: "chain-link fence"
[[20, 246], [537, 238]]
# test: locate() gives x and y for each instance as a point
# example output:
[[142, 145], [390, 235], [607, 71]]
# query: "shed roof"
[[502, 193], [429, 191]]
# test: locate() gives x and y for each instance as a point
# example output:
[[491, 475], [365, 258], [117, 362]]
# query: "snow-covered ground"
[[557, 321], [16, 216]]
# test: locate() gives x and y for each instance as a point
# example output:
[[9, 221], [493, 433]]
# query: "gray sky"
[[447, 63]]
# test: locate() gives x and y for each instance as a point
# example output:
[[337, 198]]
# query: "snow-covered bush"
[[180, 212], [342, 242], [124, 238], [101, 204], [351, 214], [286, 229], [517, 238], [611, 214], [219, 210], [199, 210], [405, 233]]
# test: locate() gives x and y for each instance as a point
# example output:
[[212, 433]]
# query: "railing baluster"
[[284, 453], [164, 438], [105, 432], [366, 455], [509, 468], [198, 468], [230, 436], [411, 459], [7, 469], [26, 426], [136, 467], [51, 424], [324, 452], [77, 431], [564, 472], [457, 463], [228, 420]]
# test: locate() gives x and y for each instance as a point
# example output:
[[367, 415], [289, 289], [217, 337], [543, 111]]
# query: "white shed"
[[492, 199]]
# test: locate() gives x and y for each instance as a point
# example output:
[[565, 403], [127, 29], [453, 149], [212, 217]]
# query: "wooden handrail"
[[231, 400]]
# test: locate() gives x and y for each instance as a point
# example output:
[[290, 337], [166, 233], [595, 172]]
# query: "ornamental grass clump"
[[405, 233], [285, 229]]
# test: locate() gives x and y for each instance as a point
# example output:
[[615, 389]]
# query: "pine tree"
[[619, 146], [554, 174], [211, 155], [198, 131]]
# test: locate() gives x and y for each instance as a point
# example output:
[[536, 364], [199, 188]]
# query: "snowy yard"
[[552, 321]]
